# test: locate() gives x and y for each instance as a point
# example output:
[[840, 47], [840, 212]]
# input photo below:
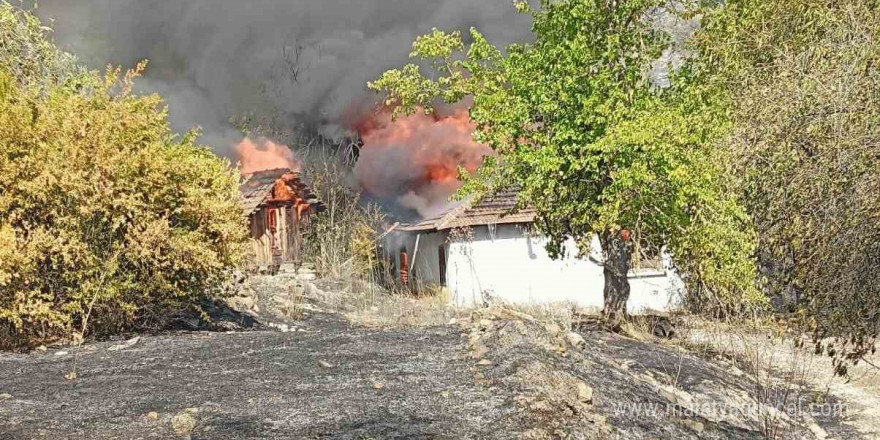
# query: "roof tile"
[[498, 208]]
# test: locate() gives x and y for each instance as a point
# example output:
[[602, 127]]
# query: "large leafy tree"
[[802, 80], [598, 145]]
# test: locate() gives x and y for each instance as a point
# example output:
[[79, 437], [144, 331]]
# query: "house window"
[[441, 258]]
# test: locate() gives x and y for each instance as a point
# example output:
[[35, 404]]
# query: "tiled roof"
[[497, 208], [428, 224], [257, 187]]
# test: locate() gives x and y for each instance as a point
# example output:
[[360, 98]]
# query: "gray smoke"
[[302, 63]]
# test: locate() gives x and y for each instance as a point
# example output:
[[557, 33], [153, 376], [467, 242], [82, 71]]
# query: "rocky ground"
[[858, 395], [301, 372], [633, 389]]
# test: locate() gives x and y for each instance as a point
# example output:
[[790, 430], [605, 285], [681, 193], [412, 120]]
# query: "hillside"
[[494, 374]]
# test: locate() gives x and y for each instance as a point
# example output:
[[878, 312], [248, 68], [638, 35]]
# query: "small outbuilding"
[[486, 250], [279, 206]]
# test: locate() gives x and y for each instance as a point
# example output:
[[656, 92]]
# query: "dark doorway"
[[441, 257]]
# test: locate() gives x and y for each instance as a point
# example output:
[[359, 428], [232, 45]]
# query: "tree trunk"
[[618, 259]]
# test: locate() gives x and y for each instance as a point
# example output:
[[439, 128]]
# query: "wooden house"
[[279, 205]]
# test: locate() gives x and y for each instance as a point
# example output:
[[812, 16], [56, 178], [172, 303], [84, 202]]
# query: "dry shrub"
[[108, 221], [342, 240]]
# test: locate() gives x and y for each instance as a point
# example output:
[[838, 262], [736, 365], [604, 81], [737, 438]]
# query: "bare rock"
[[676, 396], [127, 344], [325, 364], [474, 338], [693, 424], [649, 378], [242, 303], [152, 415], [584, 393], [185, 423], [817, 431], [506, 313], [5, 396], [308, 307], [553, 329], [312, 291], [576, 340], [479, 351]]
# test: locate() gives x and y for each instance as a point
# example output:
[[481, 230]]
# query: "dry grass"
[[780, 372], [559, 313], [407, 311], [367, 303]]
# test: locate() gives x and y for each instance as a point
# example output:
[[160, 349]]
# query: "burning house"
[[279, 206], [485, 250]]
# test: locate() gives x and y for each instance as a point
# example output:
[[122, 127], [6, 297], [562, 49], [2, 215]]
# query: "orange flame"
[[264, 154], [416, 158]]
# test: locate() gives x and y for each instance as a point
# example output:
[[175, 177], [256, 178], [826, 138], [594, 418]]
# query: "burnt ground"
[[259, 384], [492, 376]]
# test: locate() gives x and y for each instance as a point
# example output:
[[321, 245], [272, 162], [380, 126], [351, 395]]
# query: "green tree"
[[802, 80], [107, 219], [597, 146]]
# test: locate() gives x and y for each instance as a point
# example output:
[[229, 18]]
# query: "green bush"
[[31, 58], [108, 221]]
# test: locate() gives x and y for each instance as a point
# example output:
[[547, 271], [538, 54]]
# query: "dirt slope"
[[491, 376], [639, 389], [255, 385]]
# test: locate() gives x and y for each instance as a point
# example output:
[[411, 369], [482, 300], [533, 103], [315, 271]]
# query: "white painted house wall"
[[504, 262]]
